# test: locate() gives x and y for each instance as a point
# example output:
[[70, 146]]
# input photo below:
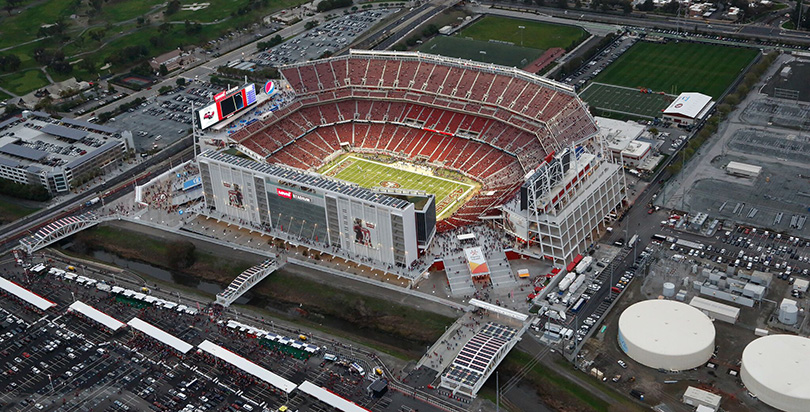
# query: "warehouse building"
[[58, 153], [688, 109], [698, 397], [315, 209], [716, 310], [744, 170]]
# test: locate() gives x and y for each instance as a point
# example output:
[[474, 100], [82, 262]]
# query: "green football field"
[[674, 68], [371, 174], [481, 51], [534, 34], [625, 100]]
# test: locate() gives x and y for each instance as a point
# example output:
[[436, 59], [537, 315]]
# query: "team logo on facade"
[[390, 185], [679, 105]]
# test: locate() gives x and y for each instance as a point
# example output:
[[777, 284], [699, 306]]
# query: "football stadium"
[[378, 151]]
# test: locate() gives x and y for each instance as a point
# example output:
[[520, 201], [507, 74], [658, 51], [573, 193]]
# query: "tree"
[[9, 63], [648, 5], [654, 131], [162, 70], [563, 4], [180, 254], [540, 3], [96, 4], [173, 7], [180, 81], [627, 7]]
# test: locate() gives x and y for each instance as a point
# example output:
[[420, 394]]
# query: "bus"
[[632, 242], [577, 306], [659, 238]]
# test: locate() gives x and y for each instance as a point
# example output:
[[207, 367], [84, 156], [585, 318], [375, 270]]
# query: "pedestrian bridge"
[[58, 230], [247, 280]]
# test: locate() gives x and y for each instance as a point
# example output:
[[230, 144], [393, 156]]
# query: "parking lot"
[[59, 361], [165, 119], [329, 37]]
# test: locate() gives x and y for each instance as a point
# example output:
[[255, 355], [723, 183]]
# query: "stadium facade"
[[38, 149], [500, 126], [563, 203], [313, 208]]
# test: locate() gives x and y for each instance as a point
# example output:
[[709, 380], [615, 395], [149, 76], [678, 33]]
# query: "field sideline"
[[371, 174], [674, 68]]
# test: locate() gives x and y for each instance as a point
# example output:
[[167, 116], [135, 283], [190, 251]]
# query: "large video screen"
[[208, 116], [226, 105], [231, 104]]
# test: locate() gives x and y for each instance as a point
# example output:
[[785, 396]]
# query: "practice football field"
[[674, 68], [625, 100], [371, 174]]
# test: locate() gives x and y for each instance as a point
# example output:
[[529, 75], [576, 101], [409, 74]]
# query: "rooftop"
[[36, 142]]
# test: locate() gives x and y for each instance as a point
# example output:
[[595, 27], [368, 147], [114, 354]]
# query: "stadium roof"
[[160, 335], [247, 366], [499, 310], [23, 151], [688, 105], [32, 298], [64, 132], [306, 179], [97, 315], [330, 398]]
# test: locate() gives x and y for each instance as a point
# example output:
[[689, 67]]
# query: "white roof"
[[688, 105], [161, 335], [702, 396], [716, 307], [97, 315], [776, 368], [499, 310], [732, 166], [666, 327], [618, 133], [247, 366], [32, 298], [330, 398]]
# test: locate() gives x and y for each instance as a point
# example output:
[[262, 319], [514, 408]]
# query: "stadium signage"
[[269, 87], [219, 96], [292, 195], [296, 196]]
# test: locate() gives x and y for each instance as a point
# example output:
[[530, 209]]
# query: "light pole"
[[521, 34]]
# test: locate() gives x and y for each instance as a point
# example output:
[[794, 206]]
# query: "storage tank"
[[669, 289], [776, 369], [665, 334], [788, 312]]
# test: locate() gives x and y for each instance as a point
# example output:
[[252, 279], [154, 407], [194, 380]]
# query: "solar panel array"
[[476, 357]]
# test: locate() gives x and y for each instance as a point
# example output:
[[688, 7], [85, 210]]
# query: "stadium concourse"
[[491, 123]]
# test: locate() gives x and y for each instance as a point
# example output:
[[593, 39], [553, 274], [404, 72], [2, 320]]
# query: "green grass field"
[[371, 174], [536, 35], [24, 81], [481, 51], [625, 100], [674, 68]]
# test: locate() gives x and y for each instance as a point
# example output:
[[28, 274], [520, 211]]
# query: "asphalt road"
[[750, 31]]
